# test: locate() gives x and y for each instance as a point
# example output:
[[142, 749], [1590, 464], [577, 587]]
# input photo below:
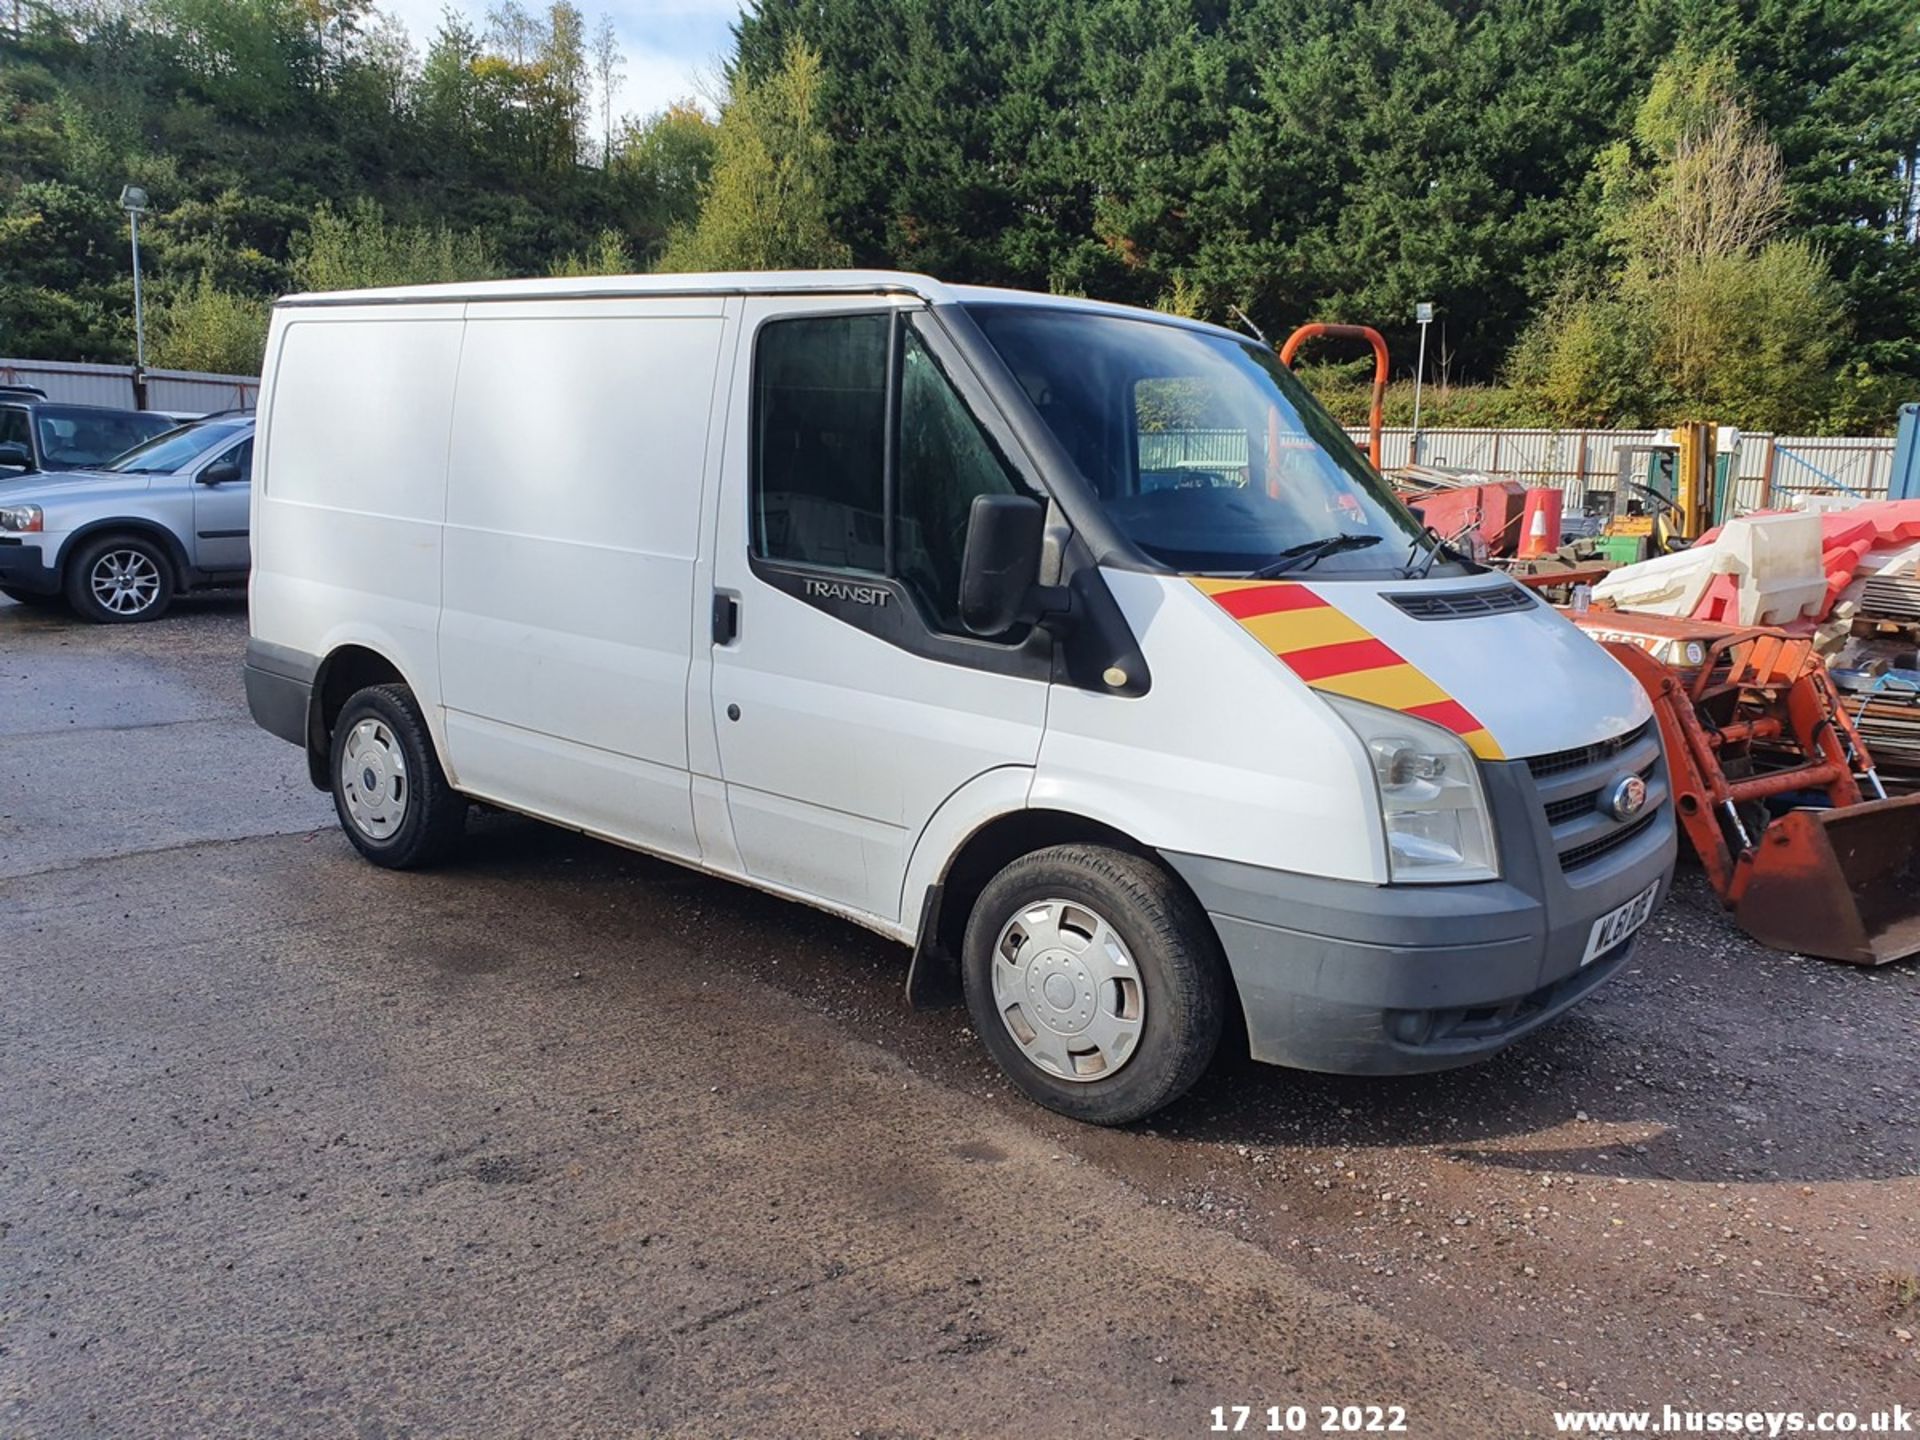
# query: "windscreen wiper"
[[1437, 546], [1434, 546], [1308, 552]]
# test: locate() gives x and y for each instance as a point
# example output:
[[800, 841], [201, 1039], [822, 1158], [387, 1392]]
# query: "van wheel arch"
[[933, 978], [344, 673]]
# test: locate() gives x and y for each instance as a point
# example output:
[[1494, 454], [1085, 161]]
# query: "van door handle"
[[726, 618]]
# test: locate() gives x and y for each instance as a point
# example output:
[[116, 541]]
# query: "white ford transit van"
[[1072, 645]]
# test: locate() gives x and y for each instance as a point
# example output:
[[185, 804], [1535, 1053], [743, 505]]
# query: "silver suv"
[[119, 542]]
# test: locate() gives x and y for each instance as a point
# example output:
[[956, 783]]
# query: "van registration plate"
[[1617, 924]]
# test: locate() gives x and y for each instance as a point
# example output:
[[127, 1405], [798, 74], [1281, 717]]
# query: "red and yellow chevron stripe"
[[1333, 653]]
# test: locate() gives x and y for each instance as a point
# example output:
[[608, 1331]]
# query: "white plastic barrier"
[[1776, 559], [1665, 585]]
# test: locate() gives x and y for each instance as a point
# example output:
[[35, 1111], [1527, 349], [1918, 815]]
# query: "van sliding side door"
[[572, 534]]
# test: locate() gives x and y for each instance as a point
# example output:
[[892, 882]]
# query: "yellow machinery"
[[1663, 492]]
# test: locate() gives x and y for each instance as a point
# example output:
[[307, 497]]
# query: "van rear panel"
[[350, 481]]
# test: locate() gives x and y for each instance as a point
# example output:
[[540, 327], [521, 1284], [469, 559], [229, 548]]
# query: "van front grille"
[[1560, 761], [1576, 789], [1594, 849], [1574, 806]]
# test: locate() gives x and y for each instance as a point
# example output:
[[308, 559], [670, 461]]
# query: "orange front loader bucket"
[[1841, 884], [1756, 719]]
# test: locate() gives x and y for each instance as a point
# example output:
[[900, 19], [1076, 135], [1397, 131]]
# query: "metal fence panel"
[[1772, 468], [1174, 449], [198, 393], [1806, 464], [72, 383], [187, 391]]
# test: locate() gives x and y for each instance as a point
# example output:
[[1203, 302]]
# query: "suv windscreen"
[[1205, 451], [75, 438], [176, 449]]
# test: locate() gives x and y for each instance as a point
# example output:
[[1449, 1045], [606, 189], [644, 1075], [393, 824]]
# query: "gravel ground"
[[564, 1140]]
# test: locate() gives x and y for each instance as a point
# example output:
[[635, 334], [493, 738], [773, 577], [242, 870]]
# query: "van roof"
[[739, 282]]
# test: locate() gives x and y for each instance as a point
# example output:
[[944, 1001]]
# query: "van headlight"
[[1435, 811], [21, 518]]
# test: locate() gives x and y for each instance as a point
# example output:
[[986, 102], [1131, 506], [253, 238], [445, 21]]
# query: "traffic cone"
[[1541, 535]]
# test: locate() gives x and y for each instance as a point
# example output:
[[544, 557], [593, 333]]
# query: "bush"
[[207, 328], [359, 249], [1586, 361], [608, 255], [1346, 391]]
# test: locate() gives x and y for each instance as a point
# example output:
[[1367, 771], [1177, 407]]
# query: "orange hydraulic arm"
[[1352, 332], [1755, 739]]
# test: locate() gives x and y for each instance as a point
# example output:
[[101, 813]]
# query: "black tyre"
[[1095, 981], [388, 788], [120, 580], [28, 597]]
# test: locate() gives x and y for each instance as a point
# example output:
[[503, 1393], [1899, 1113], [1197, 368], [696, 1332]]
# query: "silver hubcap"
[[373, 777], [125, 581], [1067, 990]]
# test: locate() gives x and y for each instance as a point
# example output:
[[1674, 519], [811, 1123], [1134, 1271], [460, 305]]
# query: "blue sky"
[[674, 48]]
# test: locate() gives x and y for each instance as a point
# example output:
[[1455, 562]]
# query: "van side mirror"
[[220, 474], [16, 454], [1000, 570]]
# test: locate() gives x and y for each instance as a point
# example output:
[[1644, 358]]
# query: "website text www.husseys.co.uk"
[[1668, 1421]]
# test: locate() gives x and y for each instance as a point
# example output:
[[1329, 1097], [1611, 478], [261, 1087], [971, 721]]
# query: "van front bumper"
[[1356, 979]]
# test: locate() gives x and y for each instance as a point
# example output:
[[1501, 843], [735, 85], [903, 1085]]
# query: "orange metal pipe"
[[1376, 416]]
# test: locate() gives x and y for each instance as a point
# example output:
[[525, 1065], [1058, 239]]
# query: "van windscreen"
[[1204, 450]]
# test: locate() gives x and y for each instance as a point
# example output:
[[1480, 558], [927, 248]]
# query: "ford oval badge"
[[1628, 798]]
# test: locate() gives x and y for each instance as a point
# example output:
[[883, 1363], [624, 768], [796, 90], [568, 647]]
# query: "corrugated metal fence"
[[1772, 468], [1175, 449], [189, 392]]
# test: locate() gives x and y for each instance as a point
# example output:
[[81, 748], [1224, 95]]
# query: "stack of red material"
[[1490, 511], [1845, 538]]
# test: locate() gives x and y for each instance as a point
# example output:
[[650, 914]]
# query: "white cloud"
[[674, 48]]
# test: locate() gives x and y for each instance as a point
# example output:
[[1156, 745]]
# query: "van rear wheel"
[[389, 791], [1095, 981]]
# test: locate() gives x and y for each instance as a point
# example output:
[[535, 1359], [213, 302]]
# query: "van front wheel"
[[1095, 981], [388, 788]]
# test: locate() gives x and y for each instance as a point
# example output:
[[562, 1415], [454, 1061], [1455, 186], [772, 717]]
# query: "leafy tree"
[[765, 205], [662, 167], [563, 76], [1706, 311], [607, 73], [1836, 83], [60, 236], [448, 104], [36, 321]]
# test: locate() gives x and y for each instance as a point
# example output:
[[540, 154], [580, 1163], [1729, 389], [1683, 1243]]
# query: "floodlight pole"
[[139, 307], [133, 200], [1423, 313]]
